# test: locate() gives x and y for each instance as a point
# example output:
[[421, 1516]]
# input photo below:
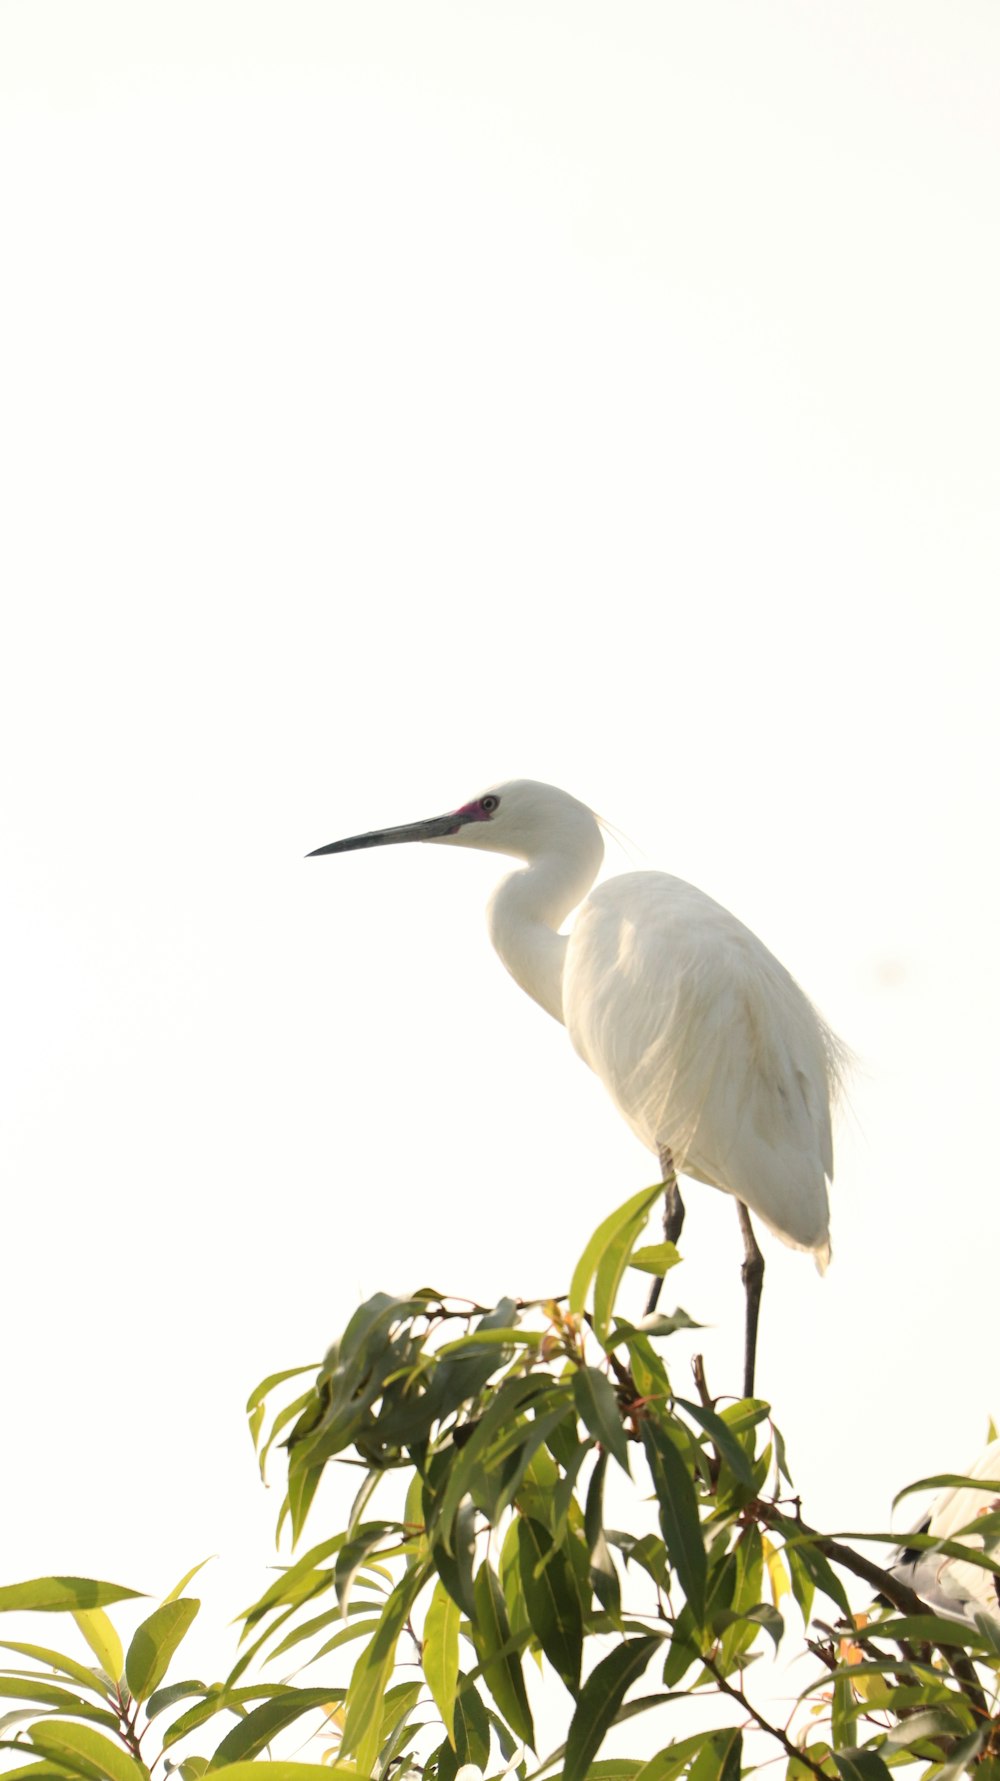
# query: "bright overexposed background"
[[400, 397]]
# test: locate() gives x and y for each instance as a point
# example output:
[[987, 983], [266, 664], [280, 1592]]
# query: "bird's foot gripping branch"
[[486, 1446]]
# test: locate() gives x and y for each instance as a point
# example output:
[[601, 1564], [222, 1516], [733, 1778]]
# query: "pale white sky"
[[397, 398]]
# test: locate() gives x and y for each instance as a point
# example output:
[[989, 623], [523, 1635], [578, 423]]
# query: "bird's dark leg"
[[673, 1217], [752, 1272]]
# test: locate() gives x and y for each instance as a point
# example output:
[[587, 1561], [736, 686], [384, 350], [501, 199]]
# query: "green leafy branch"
[[507, 1445]]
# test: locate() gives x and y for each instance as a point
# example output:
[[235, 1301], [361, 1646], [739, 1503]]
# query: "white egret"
[[705, 1043], [951, 1585]]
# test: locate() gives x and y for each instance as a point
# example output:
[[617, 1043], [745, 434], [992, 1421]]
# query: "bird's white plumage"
[[702, 1039], [951, 1585], [707, 1046]]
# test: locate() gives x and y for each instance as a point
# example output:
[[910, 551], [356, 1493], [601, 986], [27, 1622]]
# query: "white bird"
[[704, 1042], [951, 1585]]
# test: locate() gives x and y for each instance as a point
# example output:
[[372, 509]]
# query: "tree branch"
[[774, 1731], [899, 1594]]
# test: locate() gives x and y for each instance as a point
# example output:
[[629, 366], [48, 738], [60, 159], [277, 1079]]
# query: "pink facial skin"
[[474, 812]]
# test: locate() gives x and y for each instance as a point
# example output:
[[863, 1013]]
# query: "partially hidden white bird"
[[704, 1042], [955, 1586]]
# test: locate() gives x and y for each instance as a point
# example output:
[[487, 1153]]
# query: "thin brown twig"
[[765, 1725], [698, 1369]]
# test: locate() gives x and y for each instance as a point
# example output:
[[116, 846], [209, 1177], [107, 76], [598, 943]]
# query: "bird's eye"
[[489, 803]]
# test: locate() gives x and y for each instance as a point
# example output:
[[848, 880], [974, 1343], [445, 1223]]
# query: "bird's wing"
[[706, 1044], [941, 1582], [953, 1587]]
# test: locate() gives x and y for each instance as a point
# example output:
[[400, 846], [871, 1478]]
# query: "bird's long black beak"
[[433, 829]]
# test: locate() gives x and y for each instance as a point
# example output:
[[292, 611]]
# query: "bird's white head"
[[522, 818]]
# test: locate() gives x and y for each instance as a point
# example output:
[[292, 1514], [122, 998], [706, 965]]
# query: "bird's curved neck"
[[526, 911]]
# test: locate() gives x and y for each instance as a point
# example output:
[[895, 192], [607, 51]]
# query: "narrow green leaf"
[[49, 1695], [679, 1520], [266, 1386], [603, 1576], [655, 1258], [250, 1651], [303, 1483], [154, 1643], [801, 1552], [31, 1770], [455, 1569], [636, 1207], [479, 1339], [649, 1552], [563, 1498], [57, 1594], [369, 1485], [472, 1727], [611, 1271], [179, 1588], [103, 1641], [803, 1586], [360, 1629], [936, 1630], [220, 1699], [780, 1459], [552, 1601], [947, 1480], [287, 1771], [597, 1407], [669, 1762], [215, 1700], [725, 1441], [67, 1666], [537, 1432], [85, 1752], [351, 1557], [502, 1674], [318, 1623], [281, 1422], [373, 1671], [648, 1371], [440, 1655], [862, 1765], [600, 1698], [294, 1583], [165, 1698], [251, 1735], [720, 1758], [503, 1408], [761, 1615]]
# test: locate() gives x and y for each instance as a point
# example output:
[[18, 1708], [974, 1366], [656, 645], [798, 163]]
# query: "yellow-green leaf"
[[284, 1771], [57, 1660], [179, 1588], [373, 1672], [154, 1643], [655, 1258], [597, 1407], [85, 1752], [776, 1570], [57, 1594], [103, 1641], [607, 1237], [440, 1655]]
